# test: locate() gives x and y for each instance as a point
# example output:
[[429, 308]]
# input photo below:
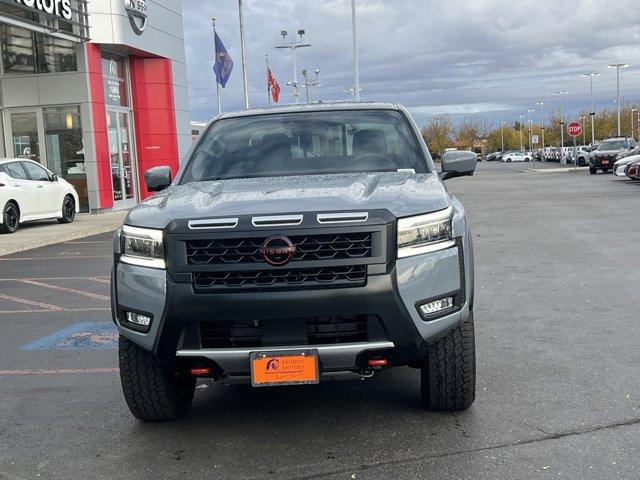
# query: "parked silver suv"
[[295, 243]]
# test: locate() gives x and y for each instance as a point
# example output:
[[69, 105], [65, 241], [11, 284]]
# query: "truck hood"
[[605, 153], [403, 194]]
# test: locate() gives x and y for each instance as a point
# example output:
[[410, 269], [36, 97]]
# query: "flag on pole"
[[274, 86], [224, 63]]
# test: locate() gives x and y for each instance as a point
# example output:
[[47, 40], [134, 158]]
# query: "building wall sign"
[[59, 8], [137, 12]]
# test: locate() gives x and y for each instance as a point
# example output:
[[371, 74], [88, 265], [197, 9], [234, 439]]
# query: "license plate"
[[292, 367], [605, 162]]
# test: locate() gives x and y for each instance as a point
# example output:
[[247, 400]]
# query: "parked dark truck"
[[606, 154], [296, 243]]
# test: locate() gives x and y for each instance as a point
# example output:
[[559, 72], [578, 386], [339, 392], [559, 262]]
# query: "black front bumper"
[[178, 327], [598, 162]]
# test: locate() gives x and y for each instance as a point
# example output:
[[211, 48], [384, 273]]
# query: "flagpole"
[[266, 58], [244, 57], [356, 71], [215, 54]]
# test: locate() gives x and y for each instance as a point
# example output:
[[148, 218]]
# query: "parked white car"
[[620, 167], [516, 157], [28, 191]]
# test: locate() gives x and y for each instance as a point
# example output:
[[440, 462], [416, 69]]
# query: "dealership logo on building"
[[59, 8], [137, 11]]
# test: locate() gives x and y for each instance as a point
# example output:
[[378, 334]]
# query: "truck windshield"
[[612, 145], [305, 144]]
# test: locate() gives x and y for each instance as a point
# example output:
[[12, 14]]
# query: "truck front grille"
[[308, 248], [313, 331], [349, 275]]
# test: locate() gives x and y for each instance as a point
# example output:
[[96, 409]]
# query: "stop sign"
[[574, 129]]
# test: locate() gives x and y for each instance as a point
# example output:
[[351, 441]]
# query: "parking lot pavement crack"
[[414, 458]]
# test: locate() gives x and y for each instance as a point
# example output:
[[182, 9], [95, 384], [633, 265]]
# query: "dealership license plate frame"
[[310, 357]]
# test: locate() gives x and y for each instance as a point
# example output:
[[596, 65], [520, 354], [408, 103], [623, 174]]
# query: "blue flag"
[[224, 64]]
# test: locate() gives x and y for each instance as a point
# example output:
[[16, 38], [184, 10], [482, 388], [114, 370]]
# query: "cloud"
[[490, 57]]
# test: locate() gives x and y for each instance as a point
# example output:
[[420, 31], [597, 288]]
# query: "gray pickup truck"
[[292, 244]]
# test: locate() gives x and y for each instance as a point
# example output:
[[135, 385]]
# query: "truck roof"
[[314, 107]]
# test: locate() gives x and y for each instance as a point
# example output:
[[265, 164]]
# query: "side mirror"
[[54, 177], [458, 163], [157, 178]]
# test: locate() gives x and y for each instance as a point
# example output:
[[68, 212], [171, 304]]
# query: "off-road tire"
[[153, 393], [593, 171], [448, 375]]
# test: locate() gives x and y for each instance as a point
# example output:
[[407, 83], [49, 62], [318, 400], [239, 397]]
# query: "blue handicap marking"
[[83, 335]]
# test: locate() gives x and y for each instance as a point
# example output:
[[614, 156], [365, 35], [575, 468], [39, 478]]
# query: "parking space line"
[[47, 306], [3, 259], [80, 242], [57, 371], [95, 278], [37, 310], [65, 289], [99, 280]]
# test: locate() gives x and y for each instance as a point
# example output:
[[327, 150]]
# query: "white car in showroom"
[[28, 191], [516, 156]]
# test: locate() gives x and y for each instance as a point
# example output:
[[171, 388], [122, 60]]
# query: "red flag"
[[274, 86]]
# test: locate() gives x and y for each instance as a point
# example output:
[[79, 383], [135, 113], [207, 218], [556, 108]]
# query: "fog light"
[[138, 319], [437, 306]]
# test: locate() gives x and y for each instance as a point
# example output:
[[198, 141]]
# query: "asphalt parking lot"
[[556, 311]]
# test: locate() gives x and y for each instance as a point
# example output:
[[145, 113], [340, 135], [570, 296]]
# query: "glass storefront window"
[[115, 85], [25, 52], [55, 55], [18, 51], [65, 150], [24, 132]]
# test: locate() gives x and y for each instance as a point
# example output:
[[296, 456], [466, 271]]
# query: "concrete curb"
[[44, 235]]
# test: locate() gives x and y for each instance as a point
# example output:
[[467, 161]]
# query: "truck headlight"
[[425, 233], [142, 246]]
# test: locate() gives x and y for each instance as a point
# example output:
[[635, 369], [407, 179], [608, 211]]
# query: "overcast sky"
[[489, 57]]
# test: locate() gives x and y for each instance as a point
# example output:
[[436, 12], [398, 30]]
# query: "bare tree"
[[438, 133], [471, 130]]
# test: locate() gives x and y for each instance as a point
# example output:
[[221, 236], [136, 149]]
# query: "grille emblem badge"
[[277, 250]]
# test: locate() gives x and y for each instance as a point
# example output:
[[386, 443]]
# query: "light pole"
[[618, 66], [592, 113], [309, 84], [352, 92], [245, 83], [633, 110], [562, 93], [544, 156], [520, 128], [582, 119], [530, 111], [293, 45], [356, 70], [502, 135]]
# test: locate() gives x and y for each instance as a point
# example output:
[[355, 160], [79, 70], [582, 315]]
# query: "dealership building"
[[96, 91]]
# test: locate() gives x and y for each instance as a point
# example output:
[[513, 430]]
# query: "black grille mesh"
[[353, 275], [308, 247]]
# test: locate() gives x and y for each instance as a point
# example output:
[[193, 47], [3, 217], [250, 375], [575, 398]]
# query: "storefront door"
[[122, 160], [26, 131]]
